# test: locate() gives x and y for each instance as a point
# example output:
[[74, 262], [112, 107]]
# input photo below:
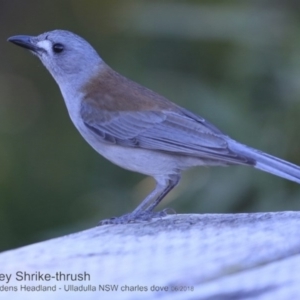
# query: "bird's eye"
[[58, 48]]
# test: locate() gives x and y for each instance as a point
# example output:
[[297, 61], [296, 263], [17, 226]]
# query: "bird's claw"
[[132, 218]]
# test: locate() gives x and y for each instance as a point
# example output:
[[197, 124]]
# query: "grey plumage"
[[133, 126], [161, 131]]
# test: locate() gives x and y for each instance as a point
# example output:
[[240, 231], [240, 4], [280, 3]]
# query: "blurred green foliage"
[[235, 63]]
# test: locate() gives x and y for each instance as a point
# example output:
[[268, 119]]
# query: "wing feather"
[[177, 132]]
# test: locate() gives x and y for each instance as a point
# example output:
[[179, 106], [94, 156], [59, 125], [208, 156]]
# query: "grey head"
[[68, 57]]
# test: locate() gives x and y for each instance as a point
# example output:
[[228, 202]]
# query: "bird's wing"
[[178, 132]]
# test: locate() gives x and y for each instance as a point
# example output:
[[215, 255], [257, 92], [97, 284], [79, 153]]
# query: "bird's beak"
[[24, 41]]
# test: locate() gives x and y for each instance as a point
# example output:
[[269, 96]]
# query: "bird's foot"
[[130, 218]]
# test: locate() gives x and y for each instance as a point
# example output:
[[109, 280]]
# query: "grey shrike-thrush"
[[133, 126]]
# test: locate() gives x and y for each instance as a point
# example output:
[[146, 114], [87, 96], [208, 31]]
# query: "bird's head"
[[68, 57]]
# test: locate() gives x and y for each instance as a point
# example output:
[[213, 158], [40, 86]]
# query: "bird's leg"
[[144, 212], [171, 183]]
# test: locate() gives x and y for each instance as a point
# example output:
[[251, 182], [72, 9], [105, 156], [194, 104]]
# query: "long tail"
[[268, 163]]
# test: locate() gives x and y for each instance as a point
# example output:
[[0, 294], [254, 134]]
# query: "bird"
[[136, 128]]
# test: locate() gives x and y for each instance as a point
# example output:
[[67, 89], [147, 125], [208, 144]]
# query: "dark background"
[[235, 63]]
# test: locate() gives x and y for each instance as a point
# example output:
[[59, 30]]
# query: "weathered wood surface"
[[236, 256]]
